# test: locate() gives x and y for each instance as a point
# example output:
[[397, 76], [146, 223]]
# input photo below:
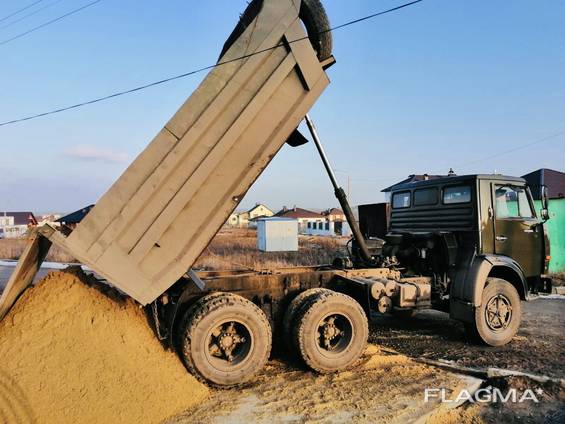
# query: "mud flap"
[[296, 139], [28, 265]]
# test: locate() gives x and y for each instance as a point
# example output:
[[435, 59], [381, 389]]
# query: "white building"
[[328, 228], [16, 224], [247, 219], [329, 223], [304, 217], [334, 214]]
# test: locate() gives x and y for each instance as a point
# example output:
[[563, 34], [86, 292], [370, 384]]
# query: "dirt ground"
[[383, 387], [538, 348], [388, 387], [388, 384]]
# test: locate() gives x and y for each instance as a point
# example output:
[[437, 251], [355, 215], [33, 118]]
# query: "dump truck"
[[470, 245]]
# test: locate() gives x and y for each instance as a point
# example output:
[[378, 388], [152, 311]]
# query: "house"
[[334, 214], [16, 224], [71, 220], [555, 183], [248, 218], [306, 219], [50, 219]]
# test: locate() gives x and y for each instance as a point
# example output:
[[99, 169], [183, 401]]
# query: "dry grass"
[[13, 248], [230, 249], [237, 249]]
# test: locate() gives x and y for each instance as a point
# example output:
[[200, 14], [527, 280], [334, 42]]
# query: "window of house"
[[512, 202], [309, 225], [425, 196], [457, 194], [401, 200], [327, 226]]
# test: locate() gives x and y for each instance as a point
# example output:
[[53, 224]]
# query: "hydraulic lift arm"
[[340, 193]]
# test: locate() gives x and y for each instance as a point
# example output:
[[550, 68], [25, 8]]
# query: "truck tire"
[[331, 332], [289, 319], [498, 318], [225, 339], [312, 14]]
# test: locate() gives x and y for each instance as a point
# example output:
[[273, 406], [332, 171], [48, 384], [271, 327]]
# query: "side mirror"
[[544, 203]]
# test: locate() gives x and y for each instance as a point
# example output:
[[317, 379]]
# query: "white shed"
[[277, 234]]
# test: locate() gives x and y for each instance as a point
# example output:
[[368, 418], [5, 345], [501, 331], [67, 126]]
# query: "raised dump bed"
[[153, 223]]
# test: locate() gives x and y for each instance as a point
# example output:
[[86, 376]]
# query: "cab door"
[[517, 232]]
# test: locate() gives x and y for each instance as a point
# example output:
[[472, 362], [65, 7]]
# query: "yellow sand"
[[70, 353]]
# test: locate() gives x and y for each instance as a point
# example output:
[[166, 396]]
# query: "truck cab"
[[470, 233]]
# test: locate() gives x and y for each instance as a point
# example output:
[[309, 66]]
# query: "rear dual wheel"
[[225, 339], [329, 330]]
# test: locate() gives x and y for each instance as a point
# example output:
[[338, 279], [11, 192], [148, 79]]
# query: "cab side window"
[[512, 202], [401, 200]]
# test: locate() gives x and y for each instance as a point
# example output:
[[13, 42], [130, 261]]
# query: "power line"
[[20, 10], [35, 12], [522, 146], [52, 21], [205, 68]]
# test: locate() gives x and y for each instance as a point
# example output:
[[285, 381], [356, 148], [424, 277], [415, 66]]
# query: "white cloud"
[[91, 153]]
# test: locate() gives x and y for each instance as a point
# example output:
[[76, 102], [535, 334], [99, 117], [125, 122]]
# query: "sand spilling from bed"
[[74, 351]]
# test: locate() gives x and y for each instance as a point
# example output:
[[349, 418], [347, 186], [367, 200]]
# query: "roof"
[[412, 179], [258, 205], [275, 218], [21, 218], [455, 179], [553, 180], [333, 211], [258, 217], [76, 216], [297, 213]]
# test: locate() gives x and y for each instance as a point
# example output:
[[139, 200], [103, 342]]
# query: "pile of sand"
[[72, 351]]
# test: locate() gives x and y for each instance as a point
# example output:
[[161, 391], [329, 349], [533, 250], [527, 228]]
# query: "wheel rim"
[[498, 313], [334, 334], [229, 344]]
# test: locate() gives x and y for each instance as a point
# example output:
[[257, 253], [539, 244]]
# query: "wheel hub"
[[329, 332], [225, 339], [498, 312]]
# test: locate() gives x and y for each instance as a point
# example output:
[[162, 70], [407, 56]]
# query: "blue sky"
[[445, 83]]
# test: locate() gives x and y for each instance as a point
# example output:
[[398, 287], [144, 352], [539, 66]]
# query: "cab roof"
[[454, 179]]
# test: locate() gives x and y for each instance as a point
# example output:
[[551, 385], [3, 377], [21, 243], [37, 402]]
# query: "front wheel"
[[225, 339], [498, 318]]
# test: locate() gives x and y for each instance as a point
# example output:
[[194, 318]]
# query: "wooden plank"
[[207, 168], [32, 257], [169, 190], [308, 64], [204, 229], [187, 155]]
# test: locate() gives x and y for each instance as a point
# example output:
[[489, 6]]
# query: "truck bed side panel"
[[155, 221]]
